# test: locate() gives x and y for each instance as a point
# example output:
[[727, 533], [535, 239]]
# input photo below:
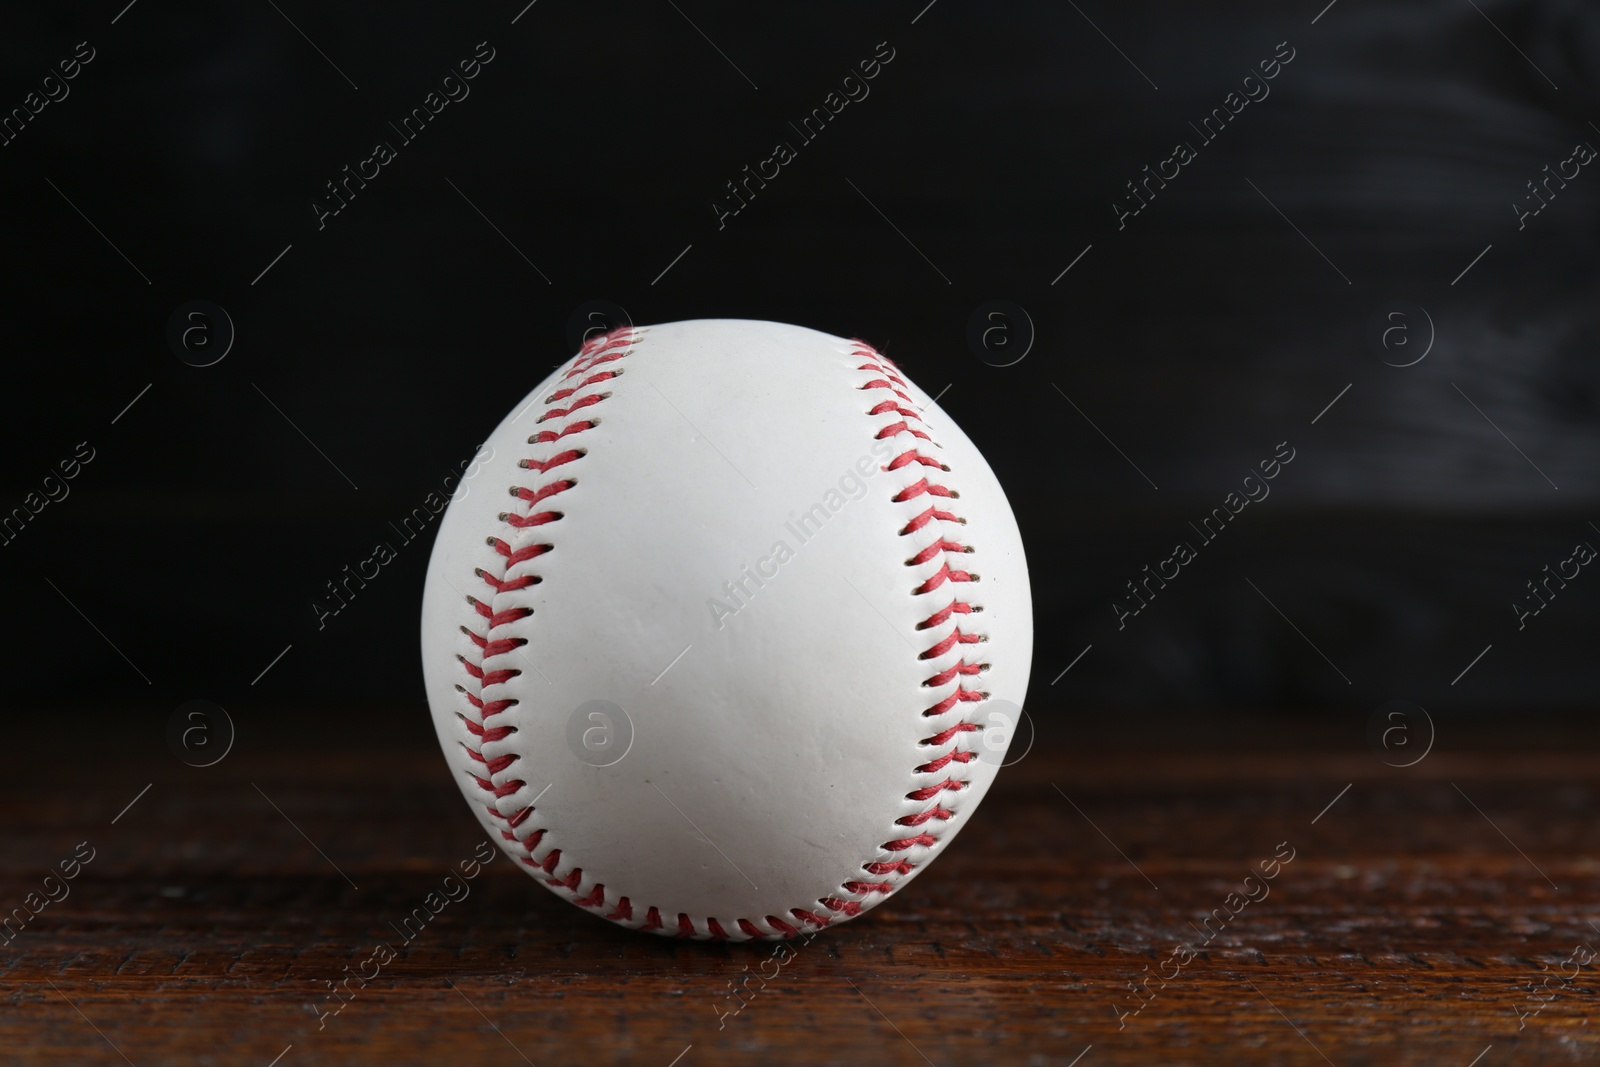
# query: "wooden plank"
[[1404, 930]]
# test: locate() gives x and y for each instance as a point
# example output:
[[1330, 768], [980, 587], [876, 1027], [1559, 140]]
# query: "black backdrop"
[[374, 347]]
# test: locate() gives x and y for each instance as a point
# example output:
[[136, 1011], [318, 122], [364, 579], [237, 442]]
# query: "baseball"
[[728, 636]]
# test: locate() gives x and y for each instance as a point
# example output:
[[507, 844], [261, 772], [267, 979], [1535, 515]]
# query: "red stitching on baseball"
[[900, 427], [578, 405], [544, 437], [929, 516], [923, 816], [934, 549], [503, 587], [564, 457], [890, 405], [957, 637], [944, 574], [924, 840], [950, 784], [562, 394], [909, 422], [897, 867], [916, 489], [949, 702], [521, 555], [913, 456], [945, 677], [850, 908], [606, 349], [958, 756]]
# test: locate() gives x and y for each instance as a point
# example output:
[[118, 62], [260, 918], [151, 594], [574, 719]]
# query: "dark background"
[[1196, 339]]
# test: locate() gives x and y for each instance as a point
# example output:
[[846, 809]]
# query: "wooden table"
[[1419, 906]]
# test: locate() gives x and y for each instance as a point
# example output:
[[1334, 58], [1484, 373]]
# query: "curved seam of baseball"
[[910, 421], [890, 871], [597, 352]]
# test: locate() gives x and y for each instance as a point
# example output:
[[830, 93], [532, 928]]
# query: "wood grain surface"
[[1419, 907]]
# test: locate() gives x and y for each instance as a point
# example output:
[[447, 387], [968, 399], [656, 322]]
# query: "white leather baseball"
[[803, 723]]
